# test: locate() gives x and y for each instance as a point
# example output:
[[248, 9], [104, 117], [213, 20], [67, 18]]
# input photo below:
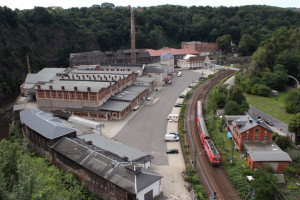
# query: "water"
[[6, 116]]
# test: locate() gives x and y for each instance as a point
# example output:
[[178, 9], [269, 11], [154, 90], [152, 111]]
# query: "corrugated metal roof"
[[44, 124], [106, 167], [114, 106], [270, 156]]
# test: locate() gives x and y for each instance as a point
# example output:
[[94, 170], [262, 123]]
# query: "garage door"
[[149, 195]]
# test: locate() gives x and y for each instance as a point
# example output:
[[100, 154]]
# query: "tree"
[[264, 90], [247, 45], [294, 126], [232, 108], [264, 182], [236, 94], [292, 101], [276, 80], [283, 142], [224, 43]]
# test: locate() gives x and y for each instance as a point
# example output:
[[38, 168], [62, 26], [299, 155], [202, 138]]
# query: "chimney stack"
[[133, 55]]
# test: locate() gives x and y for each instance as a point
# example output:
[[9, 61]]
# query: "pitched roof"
[[166, 56], [129, 93], [104, 166], [162, 51], [196, 58], [44, 124], [269, 156], [246, 122], [114, 147]]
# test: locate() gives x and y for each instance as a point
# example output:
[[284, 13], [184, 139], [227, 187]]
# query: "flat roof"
[[145, 79], [261, 146], [129, 93], [114, 105]]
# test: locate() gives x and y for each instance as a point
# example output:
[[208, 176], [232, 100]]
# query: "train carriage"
[[210, 149]]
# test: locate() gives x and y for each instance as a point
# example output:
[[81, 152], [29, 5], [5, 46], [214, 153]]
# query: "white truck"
[[171, 137]]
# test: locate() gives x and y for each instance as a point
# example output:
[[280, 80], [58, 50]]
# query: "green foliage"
[[247, 45], [236, 94], [294, 125], [283, 142], [292, 101], [224, 43], [23, 176], [232, 108], [276, 80], [263, 183]]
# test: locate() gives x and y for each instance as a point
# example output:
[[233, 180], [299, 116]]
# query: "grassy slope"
[[273, 106]]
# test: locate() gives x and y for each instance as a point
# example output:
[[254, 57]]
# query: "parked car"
[[173, 133], [172, 151], [269, 123], [178, 105], [181, 96], [190, 86], [195, 81], [179, 74], [201, 78]]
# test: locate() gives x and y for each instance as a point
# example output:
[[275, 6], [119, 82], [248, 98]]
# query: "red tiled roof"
[[164, 50]]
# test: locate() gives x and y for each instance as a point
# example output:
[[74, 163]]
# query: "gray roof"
[[99, 72], [81, 85], [129, 93], [51, 71], [145, 79], [19, 107], [246, 122], [232, 117], [166, 56], [127, 65], [150, 69], [261, 146], [114, 147], [86, 67], [114, 105], [270, 156], [104, 166], [44, 124]]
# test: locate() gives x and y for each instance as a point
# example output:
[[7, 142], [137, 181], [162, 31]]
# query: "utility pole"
[[28, 64], [195, 157], [132, 35], [220, 59], [231, 158]]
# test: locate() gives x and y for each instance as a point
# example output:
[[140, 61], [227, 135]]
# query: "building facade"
[[201, 47], [194, 62]]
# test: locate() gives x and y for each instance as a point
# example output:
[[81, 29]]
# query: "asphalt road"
[[146, 130], [278, 125]]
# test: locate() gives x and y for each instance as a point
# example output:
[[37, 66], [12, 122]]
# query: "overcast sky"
[[29, 4]]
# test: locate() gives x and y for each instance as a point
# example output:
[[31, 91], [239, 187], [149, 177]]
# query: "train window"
[[216, 158]]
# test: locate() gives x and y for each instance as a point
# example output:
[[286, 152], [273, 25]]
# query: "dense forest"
[[49, 35]]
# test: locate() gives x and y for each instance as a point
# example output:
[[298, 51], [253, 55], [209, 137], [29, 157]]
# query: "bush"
[[264, 90]]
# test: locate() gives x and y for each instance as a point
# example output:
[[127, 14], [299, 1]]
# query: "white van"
[[179, 73], [173, 117], [171, 137]]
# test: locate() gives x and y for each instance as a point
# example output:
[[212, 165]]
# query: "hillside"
[[50, 35]]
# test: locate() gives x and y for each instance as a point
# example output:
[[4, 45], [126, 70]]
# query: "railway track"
[[213, 179]]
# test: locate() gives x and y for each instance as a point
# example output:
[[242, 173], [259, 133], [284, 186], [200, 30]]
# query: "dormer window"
[[62, 87], [50, 87], [75, 88], [39, 86], [89, 89]]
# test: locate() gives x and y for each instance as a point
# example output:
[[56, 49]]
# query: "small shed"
[[274, 93]]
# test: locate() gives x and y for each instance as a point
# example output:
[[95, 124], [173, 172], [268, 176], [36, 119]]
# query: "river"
[[6, 116]]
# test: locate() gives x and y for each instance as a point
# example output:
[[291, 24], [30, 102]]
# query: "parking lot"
[[144, 129]]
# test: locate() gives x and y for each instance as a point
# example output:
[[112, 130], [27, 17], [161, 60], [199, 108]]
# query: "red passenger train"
[[210, 149]]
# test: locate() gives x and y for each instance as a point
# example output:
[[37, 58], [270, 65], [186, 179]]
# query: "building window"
[[256, 137], [247, 138], [265, 137], [256, 130]]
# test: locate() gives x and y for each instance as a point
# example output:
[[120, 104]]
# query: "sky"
[[29, 4]]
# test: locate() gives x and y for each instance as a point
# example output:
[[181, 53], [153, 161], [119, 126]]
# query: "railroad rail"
[[213, 179]]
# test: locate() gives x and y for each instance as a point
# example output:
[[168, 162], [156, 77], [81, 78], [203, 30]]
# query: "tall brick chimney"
[[133, 55]]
